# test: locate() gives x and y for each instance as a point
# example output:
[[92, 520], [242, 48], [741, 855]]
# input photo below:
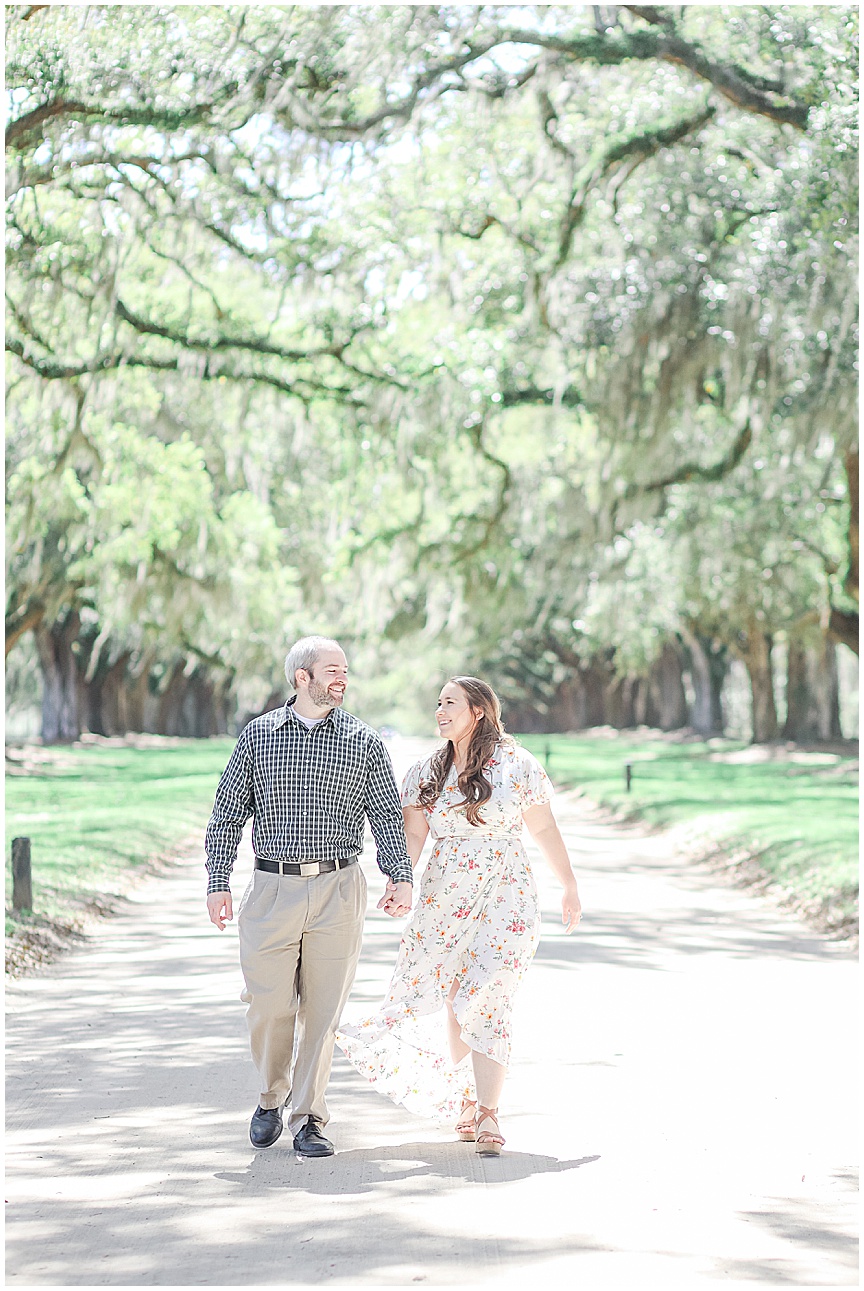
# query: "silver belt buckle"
[[308, 868]]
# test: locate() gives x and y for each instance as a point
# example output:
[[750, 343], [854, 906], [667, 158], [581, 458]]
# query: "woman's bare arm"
[[398, 896], [544, 830], [416, 831]]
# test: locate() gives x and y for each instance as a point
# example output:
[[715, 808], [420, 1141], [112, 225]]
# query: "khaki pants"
[[299, 946]]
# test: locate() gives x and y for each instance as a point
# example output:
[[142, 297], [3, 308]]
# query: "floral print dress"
[[475, 921]]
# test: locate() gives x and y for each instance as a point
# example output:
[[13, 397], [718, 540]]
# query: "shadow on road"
[[131, 1091], [797, 1220], [403, 1163]]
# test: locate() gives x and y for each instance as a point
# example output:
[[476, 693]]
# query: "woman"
[[475, 925]]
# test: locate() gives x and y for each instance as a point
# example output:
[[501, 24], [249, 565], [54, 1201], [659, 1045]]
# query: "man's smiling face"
[[327, 678]]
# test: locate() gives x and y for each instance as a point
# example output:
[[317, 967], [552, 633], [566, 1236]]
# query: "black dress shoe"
[[266, 1126], [310, 1142]]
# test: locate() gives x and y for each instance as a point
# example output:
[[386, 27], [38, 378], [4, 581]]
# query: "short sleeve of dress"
[[536, 786], [411, 786]]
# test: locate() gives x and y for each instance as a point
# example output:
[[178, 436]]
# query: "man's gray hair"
[[304, 654]]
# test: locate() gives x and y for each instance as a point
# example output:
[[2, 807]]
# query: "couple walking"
[[310, 774]]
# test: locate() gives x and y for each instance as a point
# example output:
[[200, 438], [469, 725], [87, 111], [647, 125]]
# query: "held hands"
[[220, 908], [571, 908], [396, 900]]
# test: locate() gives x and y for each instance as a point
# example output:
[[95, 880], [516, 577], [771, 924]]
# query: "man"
[[308, 774]]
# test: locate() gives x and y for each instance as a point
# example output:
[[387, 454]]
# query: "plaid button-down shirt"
[[308, 791]]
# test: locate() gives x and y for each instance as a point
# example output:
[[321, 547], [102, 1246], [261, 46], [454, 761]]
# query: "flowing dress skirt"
[[476, 923]]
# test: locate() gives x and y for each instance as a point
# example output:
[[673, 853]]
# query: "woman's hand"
[[396, 900], [571, 907]]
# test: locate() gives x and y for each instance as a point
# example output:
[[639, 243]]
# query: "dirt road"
[[680, 1109]]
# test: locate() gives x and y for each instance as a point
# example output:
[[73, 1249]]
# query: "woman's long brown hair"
[[485, 738]]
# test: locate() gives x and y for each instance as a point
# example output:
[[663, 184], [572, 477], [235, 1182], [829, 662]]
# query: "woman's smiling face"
[[454, 715]]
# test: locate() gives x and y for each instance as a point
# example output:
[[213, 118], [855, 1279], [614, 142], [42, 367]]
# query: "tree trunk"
[[850, 585], [201, 720], [224, 704], [618, 703], [757, 658], [843, 624], [515, 715], [61, 683], [567, 710], [843, 627], [709, 665], [103, 696], [666, 688], [626, 702], [194, 705], [640, 701], [133, 709], [812, 691], [169, 713], [595, 683], [523, 717]]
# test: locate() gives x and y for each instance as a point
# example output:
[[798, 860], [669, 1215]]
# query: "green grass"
[[796, 811], [92, 813]]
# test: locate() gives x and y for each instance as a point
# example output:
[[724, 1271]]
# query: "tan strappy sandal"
[[489, 1142], [465, 1124]]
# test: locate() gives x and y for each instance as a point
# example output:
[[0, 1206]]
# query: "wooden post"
[[547, 754], [22, 882], [628, 774]]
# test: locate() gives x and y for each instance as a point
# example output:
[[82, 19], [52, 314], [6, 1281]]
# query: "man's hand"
[[396, 900], [219, 908]]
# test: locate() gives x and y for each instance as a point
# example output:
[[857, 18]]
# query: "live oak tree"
[[712, 323], [352, 258]]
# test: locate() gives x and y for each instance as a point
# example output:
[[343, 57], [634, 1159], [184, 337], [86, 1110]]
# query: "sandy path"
[[680, 1109]]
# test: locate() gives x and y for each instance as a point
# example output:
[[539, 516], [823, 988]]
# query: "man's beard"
[[321, 696]]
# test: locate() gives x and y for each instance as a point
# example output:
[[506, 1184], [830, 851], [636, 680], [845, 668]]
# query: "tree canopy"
[[526, 346]]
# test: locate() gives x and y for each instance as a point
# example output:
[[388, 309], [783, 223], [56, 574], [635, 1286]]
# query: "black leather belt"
[[305, 869]]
